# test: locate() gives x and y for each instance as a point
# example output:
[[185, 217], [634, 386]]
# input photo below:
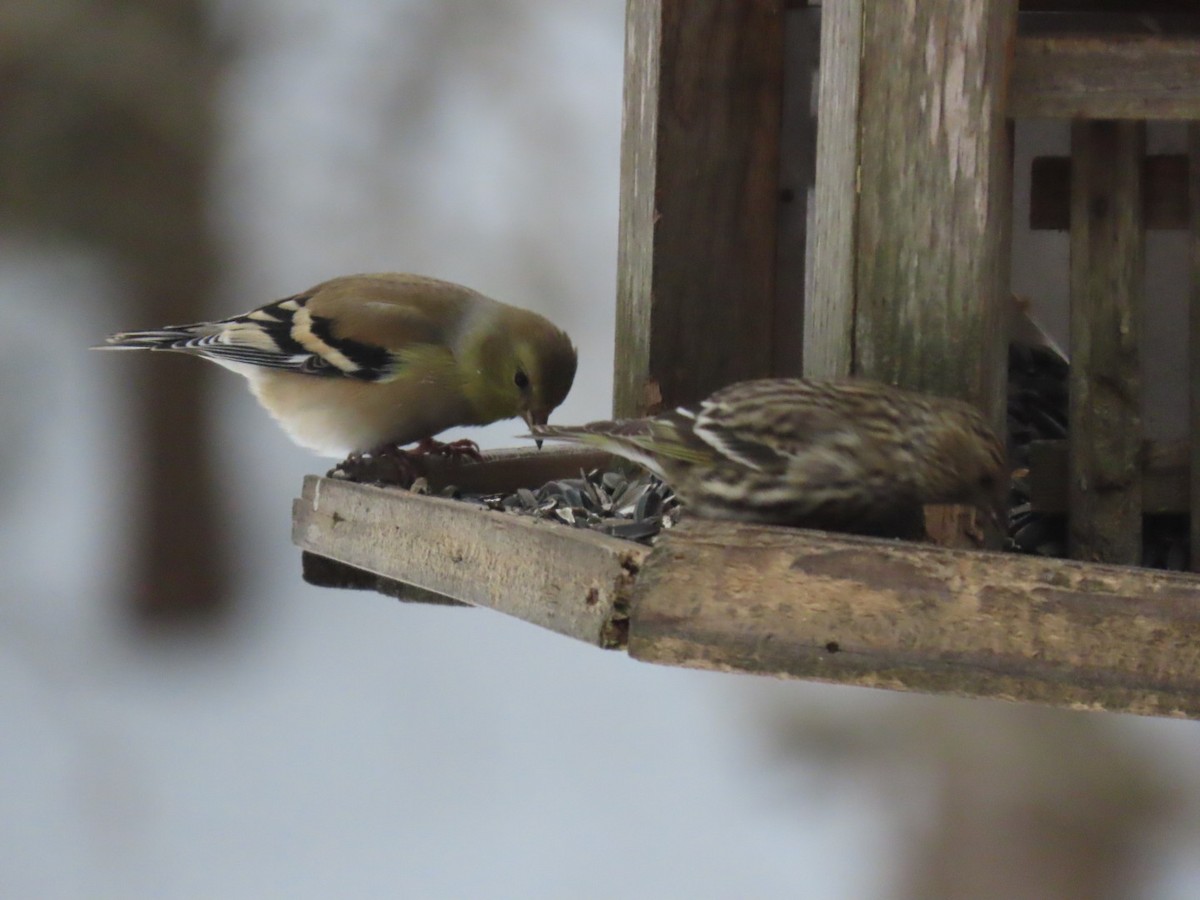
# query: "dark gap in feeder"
[[1037, 411]]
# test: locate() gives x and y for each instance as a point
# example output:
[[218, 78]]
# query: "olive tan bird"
[[369, 362]]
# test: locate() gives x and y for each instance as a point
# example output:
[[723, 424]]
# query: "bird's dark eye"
[[521, 380]]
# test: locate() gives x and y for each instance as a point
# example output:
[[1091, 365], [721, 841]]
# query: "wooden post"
[[1194, 338], [109, 138], [829, 304], [1107, 238], [699, 197], [935, 202], [914, 186]]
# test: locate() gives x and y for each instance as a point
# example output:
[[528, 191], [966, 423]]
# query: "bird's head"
[[525, 367], [970, 462]]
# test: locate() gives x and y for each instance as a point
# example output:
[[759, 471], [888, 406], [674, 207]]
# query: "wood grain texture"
[[1193, 193], [1165, 204], [569, 580], [1106, 77], [1107, 254], [829, 301], [791, 603], [935, 202], [699, 195]]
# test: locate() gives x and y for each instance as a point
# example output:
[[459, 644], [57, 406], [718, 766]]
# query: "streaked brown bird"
[[838, 455]]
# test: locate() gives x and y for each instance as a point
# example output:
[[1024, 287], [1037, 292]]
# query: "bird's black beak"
[[533, 419]]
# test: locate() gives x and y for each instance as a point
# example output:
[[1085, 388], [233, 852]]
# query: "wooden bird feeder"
[[896, 270]]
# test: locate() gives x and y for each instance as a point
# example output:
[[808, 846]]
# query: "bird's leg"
[[460, 450]]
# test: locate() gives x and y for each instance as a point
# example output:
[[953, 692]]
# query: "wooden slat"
[[1106, 77], [572, 581], [935, 206], [1164, 476], [1106, 307], [829, 301], [797, 178], [1194, 340], [699, 197], [1164, 193], [790, 603]]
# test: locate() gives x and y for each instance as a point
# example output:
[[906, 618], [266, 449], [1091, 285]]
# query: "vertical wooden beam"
[[636, 226], [66, 91], [1194, 337], [829, 303], [935, 202], [1107, 237], [699, 195]]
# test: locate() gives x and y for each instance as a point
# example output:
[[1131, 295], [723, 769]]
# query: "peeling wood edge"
[[573, 581]]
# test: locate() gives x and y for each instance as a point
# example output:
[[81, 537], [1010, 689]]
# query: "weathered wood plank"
[[1164, 466], [1164, 193], [829, 300], [1106, 77], [699, 196], [936, 198], [571, 581], [1193, 194], [1107, 239], [889, 614]]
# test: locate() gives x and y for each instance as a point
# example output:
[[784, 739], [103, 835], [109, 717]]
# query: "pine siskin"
[[848, 455], [364, 362]]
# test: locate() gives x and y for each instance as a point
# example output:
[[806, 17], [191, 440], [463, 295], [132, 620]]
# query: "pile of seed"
[[633, 507]]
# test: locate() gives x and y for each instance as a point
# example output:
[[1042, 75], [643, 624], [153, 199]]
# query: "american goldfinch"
[[834, 455], [367, 362]]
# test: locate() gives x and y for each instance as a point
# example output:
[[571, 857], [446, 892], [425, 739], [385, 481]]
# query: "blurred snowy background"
[[298, 742]]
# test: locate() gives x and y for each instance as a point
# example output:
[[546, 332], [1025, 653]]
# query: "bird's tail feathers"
[[176, 337]]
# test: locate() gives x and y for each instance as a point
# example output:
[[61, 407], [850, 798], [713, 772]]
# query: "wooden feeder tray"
[[775, 601]]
